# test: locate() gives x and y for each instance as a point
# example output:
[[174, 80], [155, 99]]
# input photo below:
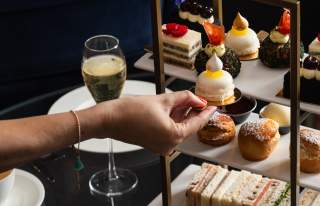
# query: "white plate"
[[81, 98], [27, 190]]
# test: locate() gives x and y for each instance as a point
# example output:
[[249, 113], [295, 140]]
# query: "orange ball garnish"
[[214, 32]]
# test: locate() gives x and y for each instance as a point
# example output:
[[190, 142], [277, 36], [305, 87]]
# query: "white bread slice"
[[256, 193], [316, 201], [307, 197], [245, 189], [236, 186], [276, 188], [198, 177], [226, 184], [212, 186]]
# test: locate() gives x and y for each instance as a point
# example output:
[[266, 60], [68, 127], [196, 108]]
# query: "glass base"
[[101, 185]]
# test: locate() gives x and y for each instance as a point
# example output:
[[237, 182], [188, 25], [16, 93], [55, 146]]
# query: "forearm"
[[25, 139]]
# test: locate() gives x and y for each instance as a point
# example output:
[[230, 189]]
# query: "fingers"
[[195, 121], [183, 99]]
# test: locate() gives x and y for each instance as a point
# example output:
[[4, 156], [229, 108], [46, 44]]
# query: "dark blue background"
[[41, 40]]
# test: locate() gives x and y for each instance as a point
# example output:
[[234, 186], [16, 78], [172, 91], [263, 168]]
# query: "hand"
[[157, 123]]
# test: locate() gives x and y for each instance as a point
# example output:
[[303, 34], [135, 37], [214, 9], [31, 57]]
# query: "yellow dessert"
[[242, 39], [215, 84]]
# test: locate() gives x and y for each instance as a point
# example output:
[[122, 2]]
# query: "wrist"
[[92, 121]]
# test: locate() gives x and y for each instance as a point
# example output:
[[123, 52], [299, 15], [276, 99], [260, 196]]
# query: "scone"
[[257, 139], [220, 130], [310, 151]]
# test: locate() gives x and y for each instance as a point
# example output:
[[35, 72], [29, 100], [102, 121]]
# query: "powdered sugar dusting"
[[311, 136], [254, 128], [218, 119]]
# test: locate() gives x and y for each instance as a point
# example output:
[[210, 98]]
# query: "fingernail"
[[203, 100]]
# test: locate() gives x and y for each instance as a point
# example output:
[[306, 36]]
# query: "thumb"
[[183, 99], [194, 122]]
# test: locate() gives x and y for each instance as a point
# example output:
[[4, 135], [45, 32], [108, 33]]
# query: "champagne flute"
[[104, 73]]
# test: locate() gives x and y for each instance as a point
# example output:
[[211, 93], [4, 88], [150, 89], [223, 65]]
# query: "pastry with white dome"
[[216, 36], [275, 49], [242, 39], [215, 85], [314, 47]]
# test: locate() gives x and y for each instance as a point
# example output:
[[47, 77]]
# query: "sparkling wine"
[[104, 75]]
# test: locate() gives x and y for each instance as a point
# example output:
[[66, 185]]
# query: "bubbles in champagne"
[[104, 75]]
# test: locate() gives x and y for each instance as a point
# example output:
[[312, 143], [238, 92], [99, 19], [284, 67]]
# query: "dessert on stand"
[[314, 47], [242, 39], [275, 49], [216, 36], [257, 139], [220, 130], [195, 11], [180, 44], [309, 81], [214, 84]]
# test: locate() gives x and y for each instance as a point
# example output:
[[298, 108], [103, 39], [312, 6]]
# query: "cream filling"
[[226, 184], [189, 54], [308, 73], [195, 18], [220, 50], [277, 37], [212, 186], [184, 14], [215, 89], [243, 44], [314, 47]]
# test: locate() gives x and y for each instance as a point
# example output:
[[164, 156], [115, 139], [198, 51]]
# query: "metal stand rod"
[[160, 88], [295, 103], [217, 6]]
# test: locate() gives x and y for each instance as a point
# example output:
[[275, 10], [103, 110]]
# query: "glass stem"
[[111, 166]]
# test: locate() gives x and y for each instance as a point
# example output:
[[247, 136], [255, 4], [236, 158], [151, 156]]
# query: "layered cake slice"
[[180, 44]]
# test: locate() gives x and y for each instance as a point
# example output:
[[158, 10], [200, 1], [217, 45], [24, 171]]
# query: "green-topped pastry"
[[231, 62], [275, 49]]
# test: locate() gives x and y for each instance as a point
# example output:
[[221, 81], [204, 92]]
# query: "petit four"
[[278, 113], [195, 11], [310, 150], [215, 85], [180, 44], [257, 139], [275, 49], [216, 36], [220, 130], [242, 39], [309, 81], [314, 47]]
